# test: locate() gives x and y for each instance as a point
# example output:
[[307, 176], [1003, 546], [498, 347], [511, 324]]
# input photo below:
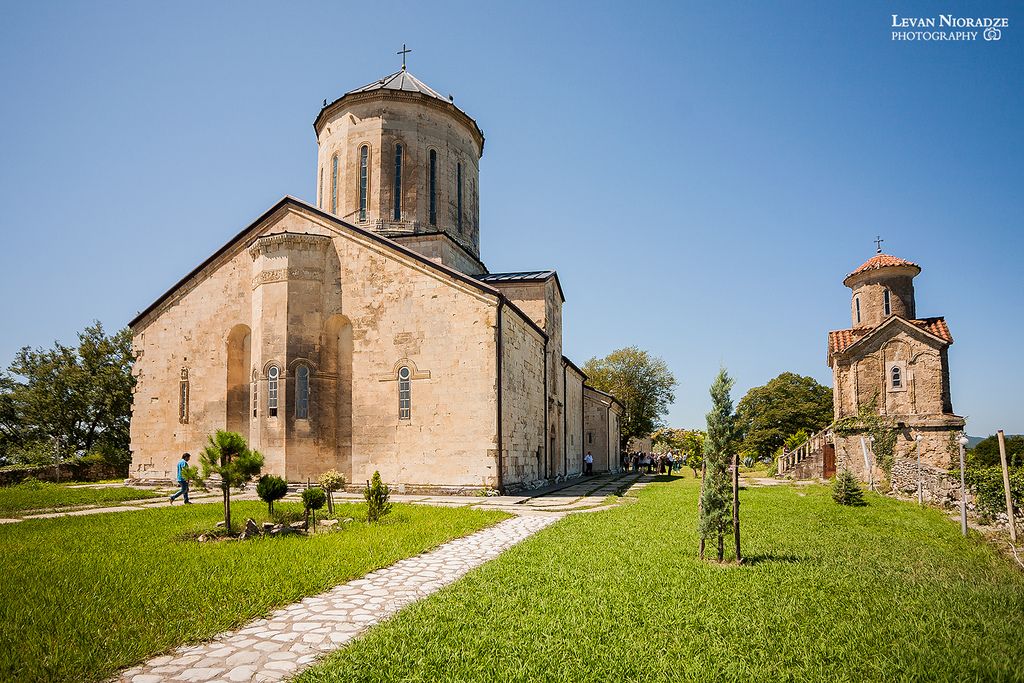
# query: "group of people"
[[663, 463]]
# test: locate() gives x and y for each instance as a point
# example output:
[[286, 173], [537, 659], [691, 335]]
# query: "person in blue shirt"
[[182, 481]]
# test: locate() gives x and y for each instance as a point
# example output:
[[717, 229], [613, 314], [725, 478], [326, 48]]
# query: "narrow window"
[[885, 300], [320, 189], [433, 187], [255, 393], [272, 376], [334, 184], [856, 303], [364, 155], [404, 394], [897, 377], [590, 437], [458, 192], [302, 392], [183, 397], [398, 183]]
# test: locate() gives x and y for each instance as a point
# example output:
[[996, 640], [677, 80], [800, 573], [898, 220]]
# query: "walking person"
[[182, 481], [588, 461]]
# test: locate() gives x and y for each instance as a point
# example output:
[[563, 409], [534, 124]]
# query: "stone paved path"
[[288, 641]]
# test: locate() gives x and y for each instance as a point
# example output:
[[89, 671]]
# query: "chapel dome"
[[880, 261]]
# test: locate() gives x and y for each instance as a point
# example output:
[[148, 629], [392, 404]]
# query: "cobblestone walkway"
[[288, 641]]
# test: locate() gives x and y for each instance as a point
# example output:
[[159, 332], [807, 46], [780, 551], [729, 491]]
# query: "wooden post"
[[963, 489], [1006, 486], [736, 504], [700, 506]]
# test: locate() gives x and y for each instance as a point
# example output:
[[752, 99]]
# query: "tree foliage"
[[331, 481], [986, 453], [716, 492], [846, 489], [270, 489], [377, 496], [227, 456], [69, 400], [688, 443], [313, 499], [642, 382], [786, 404]]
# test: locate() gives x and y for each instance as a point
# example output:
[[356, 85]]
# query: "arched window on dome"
[[856, 305], [302, 392], [320, 190], [458, 194], [886, 303], [398, 182], [896, 377], [432, 186], [273, 375], [404, 393], [364, 161], [334, 184]]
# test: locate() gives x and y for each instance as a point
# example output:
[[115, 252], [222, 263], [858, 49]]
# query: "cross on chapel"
[[404, 51], [878, 238]]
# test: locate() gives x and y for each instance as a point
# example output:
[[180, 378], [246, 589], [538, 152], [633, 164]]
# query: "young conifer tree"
[[716, 494]]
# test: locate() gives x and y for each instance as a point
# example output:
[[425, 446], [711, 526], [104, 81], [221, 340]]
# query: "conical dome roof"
[[879, 261], [400, 80]]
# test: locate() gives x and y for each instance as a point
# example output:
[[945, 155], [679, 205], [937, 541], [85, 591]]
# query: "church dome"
[[879, 261], [882, 286]]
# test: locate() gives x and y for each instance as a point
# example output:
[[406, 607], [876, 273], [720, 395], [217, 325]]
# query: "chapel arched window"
[[404, 393], [302, 392], [364, 174], [856, 305], [432, 186], [273, 376], [334, 184], [886, 302], [458, 192], [896, 374], [183, 390], [398, 183], [255, 393]]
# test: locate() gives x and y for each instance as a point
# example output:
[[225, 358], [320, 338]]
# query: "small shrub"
[[376, 494], [271, 488], [846, 490], [313, 499], [986, 483], [330, 481]]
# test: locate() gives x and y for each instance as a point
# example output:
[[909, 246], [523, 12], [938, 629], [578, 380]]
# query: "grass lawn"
[[880, 593], [48, 496], [82, 597]]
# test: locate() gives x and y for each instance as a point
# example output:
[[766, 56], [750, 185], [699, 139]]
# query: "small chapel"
[[365, 333], [896, 364]]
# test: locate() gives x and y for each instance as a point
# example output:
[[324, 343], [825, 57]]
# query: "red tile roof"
[[840, 340], [883, 261]]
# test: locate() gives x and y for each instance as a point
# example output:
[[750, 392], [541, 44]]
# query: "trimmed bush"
[[330, 481], [271, 488], [313, 499], [376, 494]]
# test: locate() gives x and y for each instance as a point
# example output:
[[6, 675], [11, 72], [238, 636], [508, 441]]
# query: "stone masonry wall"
[[574, 419], [522, 381]]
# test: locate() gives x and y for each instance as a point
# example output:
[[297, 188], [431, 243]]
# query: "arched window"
[[856, 305], [404, 393], [364, 159], [398, 183], [897, 377], [885, 302], [183, 397], [255, 393], [302, 392], [458, 193], [320, 189], [432, 187], [334, 184], [273, 375]]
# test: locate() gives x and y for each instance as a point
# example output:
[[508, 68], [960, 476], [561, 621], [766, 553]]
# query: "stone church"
[[899, 363], [365, 333]]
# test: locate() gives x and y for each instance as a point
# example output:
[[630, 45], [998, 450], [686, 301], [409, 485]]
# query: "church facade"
[[364, 332], [897, 365]]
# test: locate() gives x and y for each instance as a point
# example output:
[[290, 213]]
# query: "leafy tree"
[[786, 404], [986, 453], [313, 499], [796, 439], [376, 494], [270, 488], [69, 400], [642, 382], [228, 457], [716, 489], [693, 449], [846, 489], [330, 481]]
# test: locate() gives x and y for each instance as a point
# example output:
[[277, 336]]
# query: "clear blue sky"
[[701, 175]]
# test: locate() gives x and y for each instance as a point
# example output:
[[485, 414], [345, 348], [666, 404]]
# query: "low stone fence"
[[79, 469]]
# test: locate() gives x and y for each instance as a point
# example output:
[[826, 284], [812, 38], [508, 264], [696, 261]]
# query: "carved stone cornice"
[[283, 274], [288, 240]]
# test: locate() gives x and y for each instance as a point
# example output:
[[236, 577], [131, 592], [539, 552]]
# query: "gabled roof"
[[841, 340], [879, 261], [587, 387], [523, 276], [575, 367], [292, 202]]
